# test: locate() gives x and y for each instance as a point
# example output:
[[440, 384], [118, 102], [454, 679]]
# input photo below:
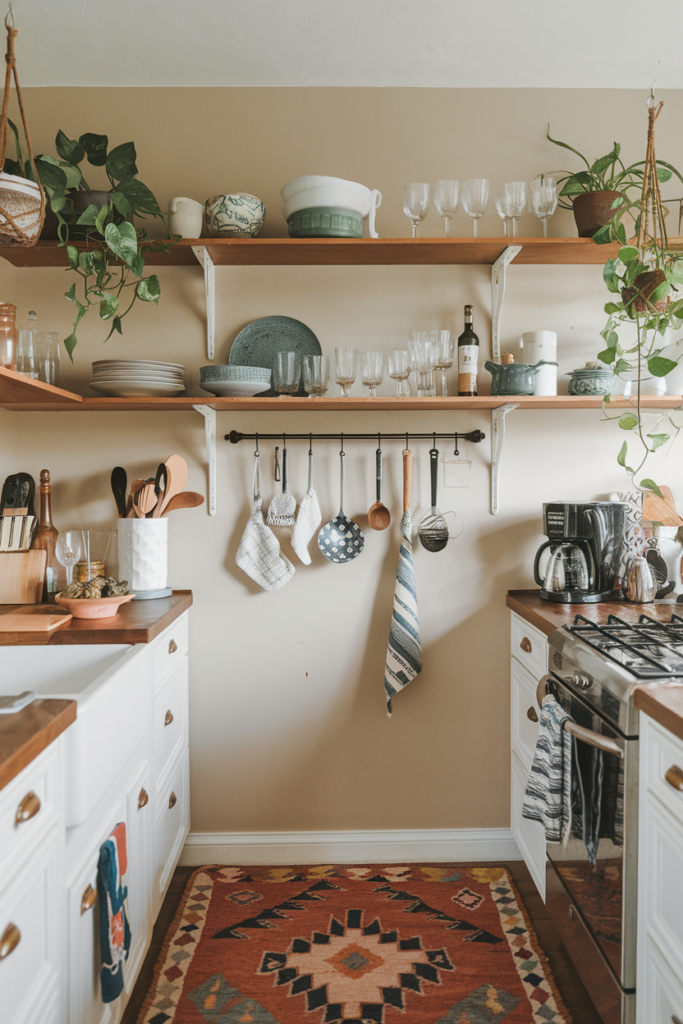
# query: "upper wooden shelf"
[[22, 394], [344, 252]]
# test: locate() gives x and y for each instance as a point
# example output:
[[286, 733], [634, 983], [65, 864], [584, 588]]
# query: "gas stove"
[[603, 662]]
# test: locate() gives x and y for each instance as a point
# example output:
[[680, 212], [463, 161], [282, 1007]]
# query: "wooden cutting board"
[[21, 622], [21, 576], [657, 511]]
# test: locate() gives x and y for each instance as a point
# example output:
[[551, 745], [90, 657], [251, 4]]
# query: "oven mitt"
[[259, 552], [307, 523]]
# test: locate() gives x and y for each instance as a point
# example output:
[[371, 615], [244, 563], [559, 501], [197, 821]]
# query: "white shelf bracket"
[[497, 440], [209, 415], [497, 294], [204, 257]]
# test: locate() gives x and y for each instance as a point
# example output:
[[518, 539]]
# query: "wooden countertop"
[[137, 622], [663, 702], [25, 735]]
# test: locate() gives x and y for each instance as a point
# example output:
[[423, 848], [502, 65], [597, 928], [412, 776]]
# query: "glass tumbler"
[[373, 371], [399, 370], [346, 368], [287, 373], [49, 360], [316, 375], [8, 336], [443, 348]]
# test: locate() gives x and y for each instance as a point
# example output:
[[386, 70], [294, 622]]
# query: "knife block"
[[22, 575]]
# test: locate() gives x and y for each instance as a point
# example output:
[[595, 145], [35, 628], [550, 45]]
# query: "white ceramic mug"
[[537, 345], [143, 554], [185, 217]]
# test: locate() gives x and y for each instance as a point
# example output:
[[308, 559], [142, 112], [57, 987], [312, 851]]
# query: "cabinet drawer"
[[524, 729], [171, 826], [663, 897], [28, 805], [170, 721], [664, 757], [529, 646], [529, 835], [660, 992], [29, 968], [170, 648]]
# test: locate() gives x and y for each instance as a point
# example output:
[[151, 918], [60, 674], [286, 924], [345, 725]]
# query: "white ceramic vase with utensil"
[[537, 346], [143, 557]]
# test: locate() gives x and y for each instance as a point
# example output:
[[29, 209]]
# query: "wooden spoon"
[[186, 499], [147, 499], [176, 479], [379, 515], [135, 489], [119, 485]]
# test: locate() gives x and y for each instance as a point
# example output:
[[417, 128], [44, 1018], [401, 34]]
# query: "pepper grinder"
[[46, 537]]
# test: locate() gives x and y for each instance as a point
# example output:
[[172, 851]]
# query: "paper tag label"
[[468, 358]]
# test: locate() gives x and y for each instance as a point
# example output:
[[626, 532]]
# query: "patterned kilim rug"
[[343, 945]]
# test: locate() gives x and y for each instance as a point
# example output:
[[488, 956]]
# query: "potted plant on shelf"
[[114, 259], [592, 193], [642, 277]]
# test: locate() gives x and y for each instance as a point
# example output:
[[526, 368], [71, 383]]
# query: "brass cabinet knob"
[[88, 899], [143, 798], [674, 777], [571, 912], [531, 714], [525, 644], [172, 801], [9, 940], [27, 809], [168, 717], [172, 647]]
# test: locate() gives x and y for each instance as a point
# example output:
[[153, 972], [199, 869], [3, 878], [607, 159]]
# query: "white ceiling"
[[437, 43]]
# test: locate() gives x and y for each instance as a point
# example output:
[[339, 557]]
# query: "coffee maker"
[[584, 538]]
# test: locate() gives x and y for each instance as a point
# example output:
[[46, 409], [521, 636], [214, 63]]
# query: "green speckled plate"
[[258, 342]]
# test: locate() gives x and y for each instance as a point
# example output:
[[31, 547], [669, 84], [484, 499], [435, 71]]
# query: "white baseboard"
[[352, 847]]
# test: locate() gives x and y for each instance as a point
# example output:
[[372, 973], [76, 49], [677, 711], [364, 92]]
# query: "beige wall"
[[288, 723]]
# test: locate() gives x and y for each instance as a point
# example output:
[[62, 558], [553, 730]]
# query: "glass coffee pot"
[[567, 570]]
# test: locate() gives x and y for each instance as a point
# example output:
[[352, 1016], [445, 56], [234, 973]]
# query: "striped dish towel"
[[548, 796], [404, 653]]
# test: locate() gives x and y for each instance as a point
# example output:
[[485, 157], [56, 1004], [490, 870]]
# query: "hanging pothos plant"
[[111, 268], [647, 276]]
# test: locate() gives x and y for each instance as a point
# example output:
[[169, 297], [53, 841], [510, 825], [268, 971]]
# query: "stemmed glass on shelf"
[[416, 198], [68, 551], [373, 371], [503, 209], [422, 361], [446, 199], [517, 204], [346, 368], [475, 200], [443, 350], [399, 370], [543, 199]]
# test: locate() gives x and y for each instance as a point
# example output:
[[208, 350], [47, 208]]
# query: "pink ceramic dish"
[[93, 608]]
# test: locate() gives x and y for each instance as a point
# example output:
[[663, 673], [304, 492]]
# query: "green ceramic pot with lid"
[[325, 222], [510, 378], [592, 379]]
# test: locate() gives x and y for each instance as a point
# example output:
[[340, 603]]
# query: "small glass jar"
[[82, 574], [28, 359], [8, 336]]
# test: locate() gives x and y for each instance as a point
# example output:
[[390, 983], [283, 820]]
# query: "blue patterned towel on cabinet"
[[548, 796], [113, 913]]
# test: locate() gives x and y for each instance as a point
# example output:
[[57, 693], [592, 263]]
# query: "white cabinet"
[[528, 664], [660, 876]]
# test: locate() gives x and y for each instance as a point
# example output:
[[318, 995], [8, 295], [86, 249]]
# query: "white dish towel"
[[309, 518], [259, 552]]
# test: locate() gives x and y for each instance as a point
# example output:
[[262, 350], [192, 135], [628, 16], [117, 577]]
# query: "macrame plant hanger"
[[652, 237], [22, 202]]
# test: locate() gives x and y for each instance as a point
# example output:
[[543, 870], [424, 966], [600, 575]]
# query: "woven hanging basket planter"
[[22, 201]]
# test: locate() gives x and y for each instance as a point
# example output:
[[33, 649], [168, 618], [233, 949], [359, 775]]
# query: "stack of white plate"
[[137, 378]]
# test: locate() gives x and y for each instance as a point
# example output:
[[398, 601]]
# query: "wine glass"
[[422, 358], [503, 204], [446, 199], [416, 197], [316, 375], [287, 373], [68, 551], [373, 371], [346, 368], [543, 199], [414, 347], [443, 350], [475, 200], [399, 370], [517, 192]]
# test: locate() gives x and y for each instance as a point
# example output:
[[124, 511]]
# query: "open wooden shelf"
[[261, 252], [22, 394]]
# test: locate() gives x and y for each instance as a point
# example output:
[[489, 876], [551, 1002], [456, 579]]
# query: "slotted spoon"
[[341, 540]]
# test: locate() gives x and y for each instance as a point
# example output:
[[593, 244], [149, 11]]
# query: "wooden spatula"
[[176, 478], [135, 489], [186, 499]]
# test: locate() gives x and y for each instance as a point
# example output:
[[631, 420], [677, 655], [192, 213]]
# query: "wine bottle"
[[468, 357], [46, 537]]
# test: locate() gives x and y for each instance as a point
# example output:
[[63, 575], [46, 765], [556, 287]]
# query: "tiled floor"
[[568, 981]]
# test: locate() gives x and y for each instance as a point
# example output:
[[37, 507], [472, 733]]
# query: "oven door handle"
[[593, 739]]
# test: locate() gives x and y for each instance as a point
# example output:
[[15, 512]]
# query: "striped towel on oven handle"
[[548, 795]]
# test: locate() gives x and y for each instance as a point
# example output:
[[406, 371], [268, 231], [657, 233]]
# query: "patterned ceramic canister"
[[237, 215], [143, 553], [633, 542], [591, 379]]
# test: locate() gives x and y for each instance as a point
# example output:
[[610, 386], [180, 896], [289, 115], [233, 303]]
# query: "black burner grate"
[[648, 649]]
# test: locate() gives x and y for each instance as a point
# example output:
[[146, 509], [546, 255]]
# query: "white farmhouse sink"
[[112, 684]]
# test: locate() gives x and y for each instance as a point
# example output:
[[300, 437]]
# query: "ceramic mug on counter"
[[143, 557], [185, 217], [540, 346]]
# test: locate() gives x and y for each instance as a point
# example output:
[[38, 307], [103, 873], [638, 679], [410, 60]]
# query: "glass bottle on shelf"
[[468, 357], [28, 359], [46, 537], [8, 336], [48, 353]]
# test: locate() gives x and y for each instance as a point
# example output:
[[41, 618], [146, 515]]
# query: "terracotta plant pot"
[[646, 284], [592, 210]]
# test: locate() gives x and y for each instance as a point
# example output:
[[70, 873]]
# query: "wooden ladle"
[[379, 515]]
